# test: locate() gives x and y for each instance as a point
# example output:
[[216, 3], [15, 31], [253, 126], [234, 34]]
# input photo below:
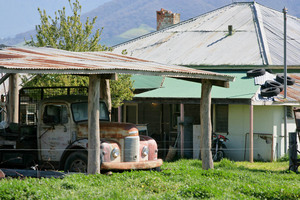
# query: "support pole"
[[93, 125], [251, 135], [293, 151], [120, 114], [13, 98], [105, 94], [182, 130], [206, 129], [285, 78]]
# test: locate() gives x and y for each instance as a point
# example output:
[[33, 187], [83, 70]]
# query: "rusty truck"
[[53, 133]]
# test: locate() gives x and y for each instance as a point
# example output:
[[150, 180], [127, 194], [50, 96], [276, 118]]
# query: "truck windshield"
[[80, 111]]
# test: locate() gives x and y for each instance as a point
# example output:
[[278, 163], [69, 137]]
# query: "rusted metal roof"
[[49, 60], [257, 39], [293, 91]]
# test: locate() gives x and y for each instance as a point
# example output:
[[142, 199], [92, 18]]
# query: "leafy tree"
[[69, 33], [121, 90]]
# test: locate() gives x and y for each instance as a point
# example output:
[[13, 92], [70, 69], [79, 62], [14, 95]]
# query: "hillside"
[[126, 19], [119, 16]]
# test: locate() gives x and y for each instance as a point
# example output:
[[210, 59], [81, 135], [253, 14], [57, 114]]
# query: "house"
[[230, 40]]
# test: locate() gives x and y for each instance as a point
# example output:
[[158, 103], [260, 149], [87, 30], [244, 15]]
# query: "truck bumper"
[[131, 165]]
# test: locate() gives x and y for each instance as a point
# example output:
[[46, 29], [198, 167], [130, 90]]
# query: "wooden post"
[[105, 94], [120, 114], [182, 130], [293, 151], [205, 116], [251, 135], [93, 125], [13, 98]]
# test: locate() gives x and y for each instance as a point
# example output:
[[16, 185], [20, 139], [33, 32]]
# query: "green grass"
[[183, 179]]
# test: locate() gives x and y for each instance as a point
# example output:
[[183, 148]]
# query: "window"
[[55, 114], [221, 117], [80, 111]]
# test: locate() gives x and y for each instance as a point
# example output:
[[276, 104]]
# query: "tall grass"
[[183, 179]]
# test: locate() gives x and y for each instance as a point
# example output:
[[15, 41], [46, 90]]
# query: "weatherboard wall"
[[268, 121]]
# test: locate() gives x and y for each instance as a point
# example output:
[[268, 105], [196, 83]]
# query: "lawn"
[[183, 179]]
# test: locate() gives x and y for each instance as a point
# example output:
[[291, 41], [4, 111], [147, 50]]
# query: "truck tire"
[[270, 92], [289, 80], [256, 72], [76, 162], [270, 83]]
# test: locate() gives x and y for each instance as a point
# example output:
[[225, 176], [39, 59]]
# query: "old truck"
[[53, 133]]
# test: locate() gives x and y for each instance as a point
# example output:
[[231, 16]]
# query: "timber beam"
[[213, 82], [113, 76]]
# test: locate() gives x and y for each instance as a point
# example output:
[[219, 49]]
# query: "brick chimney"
[[166, 18]]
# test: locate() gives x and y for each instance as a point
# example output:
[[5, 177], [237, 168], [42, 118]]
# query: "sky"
[[18, 16]]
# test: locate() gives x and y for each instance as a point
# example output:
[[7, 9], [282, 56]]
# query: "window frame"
[[60, 122], [100, 102], [217, 125]]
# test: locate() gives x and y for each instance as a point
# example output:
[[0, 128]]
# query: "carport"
[[104, 65]]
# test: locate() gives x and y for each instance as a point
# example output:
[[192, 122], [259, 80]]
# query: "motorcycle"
[[218, 146]]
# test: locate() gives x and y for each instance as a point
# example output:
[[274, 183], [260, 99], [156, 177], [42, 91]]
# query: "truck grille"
[[131, 151]]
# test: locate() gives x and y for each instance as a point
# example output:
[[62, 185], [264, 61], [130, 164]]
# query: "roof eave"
[[186, 76]]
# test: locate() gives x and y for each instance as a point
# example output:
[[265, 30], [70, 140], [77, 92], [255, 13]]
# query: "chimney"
[[166, 18]]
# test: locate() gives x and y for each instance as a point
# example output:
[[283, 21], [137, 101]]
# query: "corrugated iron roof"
[[49, 60], [293, 91], [241, 88], [257, 39], [147, 82], [260, 80]]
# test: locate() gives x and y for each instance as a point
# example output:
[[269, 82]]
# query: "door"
[[54, 131]]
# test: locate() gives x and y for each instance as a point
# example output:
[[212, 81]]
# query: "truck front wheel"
[[76, 162]]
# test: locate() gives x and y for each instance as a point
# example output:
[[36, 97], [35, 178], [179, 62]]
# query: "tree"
[[69, 33]]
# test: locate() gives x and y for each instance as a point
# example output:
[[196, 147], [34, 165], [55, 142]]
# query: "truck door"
[[54, 131]]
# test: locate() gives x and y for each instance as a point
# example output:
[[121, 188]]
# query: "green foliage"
[[183, 179], [283, 158], [44, 80], [121, 89], [228, 164], [69, 33]]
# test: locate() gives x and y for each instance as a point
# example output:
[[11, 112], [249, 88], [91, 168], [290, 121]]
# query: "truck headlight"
[[115, 152], [145, 151]]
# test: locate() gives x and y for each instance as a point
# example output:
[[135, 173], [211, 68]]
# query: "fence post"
[[292, 151]]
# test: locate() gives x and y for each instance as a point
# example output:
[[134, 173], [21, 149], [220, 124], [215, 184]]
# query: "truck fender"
[[78, 145], [110, 151], [152, 146]]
